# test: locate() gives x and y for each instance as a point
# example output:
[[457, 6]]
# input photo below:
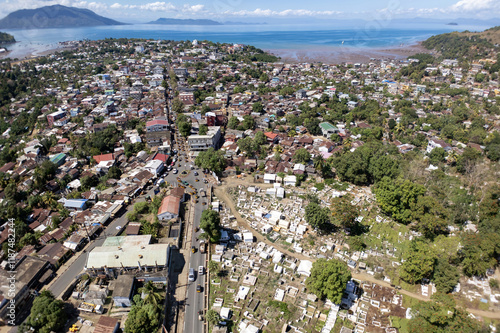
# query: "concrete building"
[[155, 167], [204, 142], [122, 294]]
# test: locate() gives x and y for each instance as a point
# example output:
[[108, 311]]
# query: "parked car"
[[201, 270], [203, 247], [198, 288], [196, 173], [175, 171], [191, 276]]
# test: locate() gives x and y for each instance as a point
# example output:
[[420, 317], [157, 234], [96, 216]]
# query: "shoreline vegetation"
[[325, 55]]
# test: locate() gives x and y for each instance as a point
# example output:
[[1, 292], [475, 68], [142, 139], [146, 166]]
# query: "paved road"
[[64, 279], [194, 300]]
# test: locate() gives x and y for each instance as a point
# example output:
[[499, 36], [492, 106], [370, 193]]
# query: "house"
[[300, 94], [290, 180], [328, 129], [122, 294], [437, 143], [271, 137], [75, 204], [269, 178], [107, 324], [169, 208], [155, 167]]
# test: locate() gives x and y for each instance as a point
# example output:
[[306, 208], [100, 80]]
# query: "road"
[[64, 279], [194, 300]]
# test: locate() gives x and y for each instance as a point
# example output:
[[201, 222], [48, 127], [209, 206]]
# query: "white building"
[[155, 167], [204, 142]]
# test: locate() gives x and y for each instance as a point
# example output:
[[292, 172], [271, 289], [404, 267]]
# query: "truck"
[[203, 247]]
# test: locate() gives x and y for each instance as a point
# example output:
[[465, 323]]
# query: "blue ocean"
[[264, 36]]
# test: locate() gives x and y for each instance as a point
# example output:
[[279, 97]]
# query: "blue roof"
[[75, 203]]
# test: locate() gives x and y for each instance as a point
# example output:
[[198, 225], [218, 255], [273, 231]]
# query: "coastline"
[[341, 54], [326, 55]]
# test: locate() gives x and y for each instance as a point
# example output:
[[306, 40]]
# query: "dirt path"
[[222, 194]]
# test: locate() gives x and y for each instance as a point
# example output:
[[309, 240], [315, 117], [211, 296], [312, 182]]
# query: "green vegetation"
[[210, 223], [211, 160], [6, 38], [441, 315], [47, 315], [328, 279], [456, 45]]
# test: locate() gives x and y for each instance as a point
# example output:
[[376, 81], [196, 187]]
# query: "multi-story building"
[[204, 142]]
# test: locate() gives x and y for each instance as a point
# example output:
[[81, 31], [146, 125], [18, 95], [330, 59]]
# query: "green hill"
[[56, 16], [6, 38], [465, 44]]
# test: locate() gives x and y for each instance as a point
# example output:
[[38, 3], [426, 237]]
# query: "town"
[[192, 186]]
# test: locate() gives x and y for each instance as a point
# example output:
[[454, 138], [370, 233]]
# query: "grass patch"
[[409, 302], [400, 323]]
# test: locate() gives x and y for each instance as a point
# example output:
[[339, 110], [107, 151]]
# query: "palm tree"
[[319, 162], [151, 295]]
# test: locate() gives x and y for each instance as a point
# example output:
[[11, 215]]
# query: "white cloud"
[[287, 12], [474, 5]]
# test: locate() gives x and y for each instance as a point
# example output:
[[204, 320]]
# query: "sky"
[[134, 11]]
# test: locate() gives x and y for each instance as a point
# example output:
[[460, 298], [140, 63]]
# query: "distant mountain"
[[171, 21], [6, 38], [56, 16]]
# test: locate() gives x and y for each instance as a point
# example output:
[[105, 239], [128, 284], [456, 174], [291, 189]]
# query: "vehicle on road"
[[203, 247], [175, 171], [198, 288], [193, 249], [191, 275], [201, 270], [205, 181], [196, 173], [200, 315]]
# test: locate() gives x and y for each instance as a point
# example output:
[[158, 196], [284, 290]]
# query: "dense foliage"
[[328, 279]]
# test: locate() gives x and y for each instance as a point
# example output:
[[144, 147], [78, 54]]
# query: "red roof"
[[103, 158], [170, 204], [270, 135], [161, 157], [157, 122]]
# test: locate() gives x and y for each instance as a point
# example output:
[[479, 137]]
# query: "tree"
[[152, 296], [328, 279], [437, 155], [398, 198], [142, 318], [478, 252], [258, 107], [441, 315], [211, 160], [260, 139], [47, 314], [184, 128], [445, 276], [316, 216], [177, 105], [418, 262], [213, 317], [203, 129], [344, 213], [233, 122], [248, 122], [210, 223], [114, 172], [248, 146], [301, 156]]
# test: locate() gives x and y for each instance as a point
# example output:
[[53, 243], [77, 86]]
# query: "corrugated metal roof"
[[111, 256]]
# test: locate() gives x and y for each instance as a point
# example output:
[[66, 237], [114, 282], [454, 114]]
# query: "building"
[[157, 132], [328, 129], [169, 208], [187, 98], [204, 142], [75, 204], [56, 117], [122, 294], [155, 167], [129, 252], [107, 325], [437, 143], [31, 274]]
